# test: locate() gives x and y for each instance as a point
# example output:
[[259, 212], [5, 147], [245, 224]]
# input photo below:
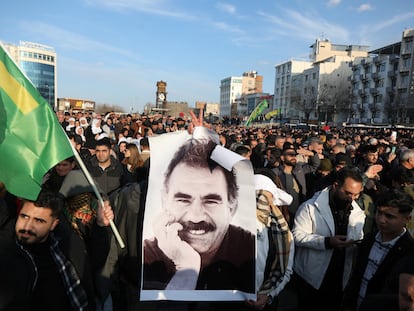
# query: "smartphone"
[[393, 148]]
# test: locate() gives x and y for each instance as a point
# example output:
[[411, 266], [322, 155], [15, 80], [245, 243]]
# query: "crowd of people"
[[334, 206]]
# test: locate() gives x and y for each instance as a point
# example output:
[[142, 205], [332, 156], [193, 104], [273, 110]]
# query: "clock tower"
[[161, 96]]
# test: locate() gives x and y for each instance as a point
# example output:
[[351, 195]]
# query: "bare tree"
[[334, 98], [103, 108]]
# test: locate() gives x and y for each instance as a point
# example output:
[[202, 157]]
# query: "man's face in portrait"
[[198, 199]]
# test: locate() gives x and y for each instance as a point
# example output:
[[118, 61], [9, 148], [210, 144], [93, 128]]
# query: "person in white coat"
[[275, 247], [326, 229]]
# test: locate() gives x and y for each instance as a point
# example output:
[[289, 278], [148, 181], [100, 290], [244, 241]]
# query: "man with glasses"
[[326, 230], [293, 176]]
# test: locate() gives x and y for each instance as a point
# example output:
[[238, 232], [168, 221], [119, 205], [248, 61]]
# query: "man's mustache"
[[202, 225], [29, 232]]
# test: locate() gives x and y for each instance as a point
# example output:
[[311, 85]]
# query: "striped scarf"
[[271, 216]]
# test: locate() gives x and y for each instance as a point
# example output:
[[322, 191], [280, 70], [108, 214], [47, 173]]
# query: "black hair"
[[196, 154], [104, 142], [396, 199], [50, 199], [242, 150], [348, 172], [144, 142]]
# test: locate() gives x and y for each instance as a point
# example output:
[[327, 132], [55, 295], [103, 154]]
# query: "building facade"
[[318, 89], [288, 87], [233, 88], [75, 104], [383, 84], [38, 62]]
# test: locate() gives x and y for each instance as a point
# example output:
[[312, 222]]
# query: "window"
[[356, 86], [379, 83], [404, 80], [314, 75], [409, 46]]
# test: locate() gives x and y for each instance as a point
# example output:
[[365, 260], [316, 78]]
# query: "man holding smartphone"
[[324, 231]]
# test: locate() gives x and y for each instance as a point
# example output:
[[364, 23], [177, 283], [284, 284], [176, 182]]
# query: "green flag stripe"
[[31, 138], [19, 95], [257, 111]]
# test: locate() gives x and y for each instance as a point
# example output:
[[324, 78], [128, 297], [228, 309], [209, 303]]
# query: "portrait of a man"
[[194, 245]]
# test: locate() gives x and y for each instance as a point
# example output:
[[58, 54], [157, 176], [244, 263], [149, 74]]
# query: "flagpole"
[[97, 193]]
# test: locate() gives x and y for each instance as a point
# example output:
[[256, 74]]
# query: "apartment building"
[[383, 84], [288, 86], [232, 90], [315, 89]]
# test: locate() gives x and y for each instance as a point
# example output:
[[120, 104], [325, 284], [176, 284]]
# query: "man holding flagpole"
[[26, 153], [45, 265]]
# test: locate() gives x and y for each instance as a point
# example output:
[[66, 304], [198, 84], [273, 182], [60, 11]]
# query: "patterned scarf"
[[81, 209], [76, 293], [271, 216]]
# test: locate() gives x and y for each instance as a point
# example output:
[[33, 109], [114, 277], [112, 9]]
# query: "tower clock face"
[[161, 96]]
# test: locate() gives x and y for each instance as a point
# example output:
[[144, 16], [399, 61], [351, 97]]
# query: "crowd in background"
[[302, 162]]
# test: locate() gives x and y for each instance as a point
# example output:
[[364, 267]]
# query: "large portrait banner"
[[200, 221]]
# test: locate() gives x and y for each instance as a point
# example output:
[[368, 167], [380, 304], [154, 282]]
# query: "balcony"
[[391, 74], [363, 77], [375, 75], [374, 91], [377, 60], [404, 70], [394, 57], [373, 107], [406, 52], [390, 90]]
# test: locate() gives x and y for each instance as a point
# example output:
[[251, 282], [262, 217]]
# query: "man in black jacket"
[[378, 253], [104, 168], [293, 176], [42, 266]]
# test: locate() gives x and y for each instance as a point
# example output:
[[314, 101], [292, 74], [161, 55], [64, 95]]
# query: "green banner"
[[31, 138], [257, 111], [272, 113]]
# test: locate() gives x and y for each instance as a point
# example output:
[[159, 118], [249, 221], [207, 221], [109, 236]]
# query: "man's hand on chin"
[[180, 252]]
